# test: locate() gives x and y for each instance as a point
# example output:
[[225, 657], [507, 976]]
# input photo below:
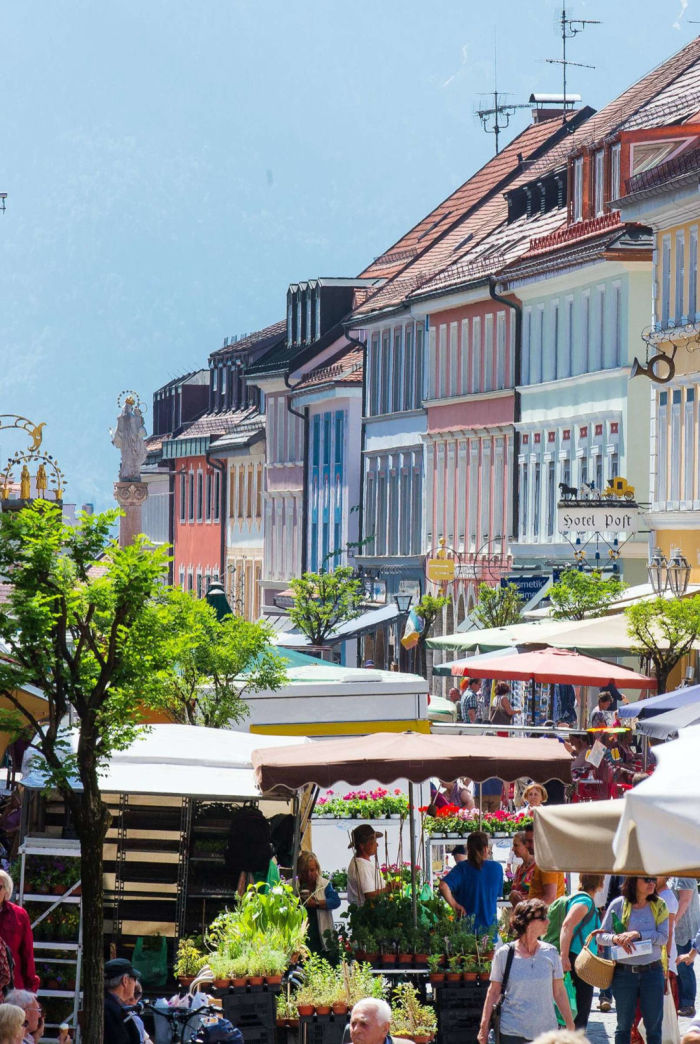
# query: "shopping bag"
[[670, 1030], [151, 959], [569, 985]]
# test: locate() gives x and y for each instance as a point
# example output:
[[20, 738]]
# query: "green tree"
[[577, 595], [88, 640], [429, 607], [322, 601], [211, 663], [664, 632], [498, 606]]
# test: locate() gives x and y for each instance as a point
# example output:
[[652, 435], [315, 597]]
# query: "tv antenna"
[[570, 27], [500, 108]]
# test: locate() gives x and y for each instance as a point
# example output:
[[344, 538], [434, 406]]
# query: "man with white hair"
[[370, 1020], [34, 1026]]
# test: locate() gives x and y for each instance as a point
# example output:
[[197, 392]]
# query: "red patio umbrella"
[[556, 667]]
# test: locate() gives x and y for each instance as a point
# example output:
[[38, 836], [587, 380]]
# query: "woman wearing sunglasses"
[[637, 916]]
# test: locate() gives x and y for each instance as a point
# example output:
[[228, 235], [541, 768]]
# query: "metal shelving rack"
[[55, 848]]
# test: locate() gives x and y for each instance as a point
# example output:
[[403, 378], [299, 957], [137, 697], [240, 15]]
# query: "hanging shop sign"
[[597, 518], [441, 564]]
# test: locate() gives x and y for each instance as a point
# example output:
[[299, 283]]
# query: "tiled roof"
[[214, 424], [288, 357], [579, 250], [344, 368], [261, 339], [493, 174], [470, 244], [249, 431]]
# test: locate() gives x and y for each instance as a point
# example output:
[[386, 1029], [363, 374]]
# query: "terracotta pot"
[[240, 981], [469, 976], [293, 1023], [221, 984], [281, 1023], [60, 889], [454, 976], [52, 984], [273, 980], [421, 1040], [405, 958], [388, 958], [360, 955], [339, 1008], [436, 977], [421, 958], [78, 890], [372, 958], [185, 980], [485, 976], [255, 980], [305, 1009], [323, 1009]]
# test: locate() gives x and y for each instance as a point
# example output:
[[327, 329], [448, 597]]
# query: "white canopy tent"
[[662, 814], [176, 760]]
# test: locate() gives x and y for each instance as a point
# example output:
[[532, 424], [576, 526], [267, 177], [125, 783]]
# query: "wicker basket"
[[595, 970]]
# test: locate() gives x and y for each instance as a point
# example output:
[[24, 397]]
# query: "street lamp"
[[658, 571], [678, 572], [673, 574], [403, 603]]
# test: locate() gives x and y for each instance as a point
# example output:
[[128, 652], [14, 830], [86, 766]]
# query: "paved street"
[[601, 1027]]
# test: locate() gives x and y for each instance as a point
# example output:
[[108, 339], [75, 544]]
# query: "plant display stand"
[[61, 954], [459, 1006], [252, 1010]]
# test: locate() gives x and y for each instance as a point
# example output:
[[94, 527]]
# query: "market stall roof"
[[630, 596], [555, 666], [654, 705], [386, 757], [328, 678], [177, 760], [662, 814], [602, 636], [662, 726], [580, 838]]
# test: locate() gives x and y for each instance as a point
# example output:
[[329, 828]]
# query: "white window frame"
[[599, 196], [577, 208], [679, 310]]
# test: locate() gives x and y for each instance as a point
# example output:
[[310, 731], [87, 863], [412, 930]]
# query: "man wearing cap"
[[120, 982], [364, 878]]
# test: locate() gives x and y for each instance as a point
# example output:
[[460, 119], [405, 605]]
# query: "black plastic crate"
[[252, 1010], [322, 1029]]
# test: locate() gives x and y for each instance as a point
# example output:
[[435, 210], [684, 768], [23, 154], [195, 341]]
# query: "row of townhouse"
[[444, 394]]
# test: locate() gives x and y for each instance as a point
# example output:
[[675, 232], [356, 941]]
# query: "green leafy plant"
[[577, 595], [498, 606], [410, 1018], [322, 601], [664, 631], [189, 959]]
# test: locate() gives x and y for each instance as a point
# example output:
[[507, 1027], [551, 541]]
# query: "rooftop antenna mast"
[[570, 27], [500, 108]]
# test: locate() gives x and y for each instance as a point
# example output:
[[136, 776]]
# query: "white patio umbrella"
[[663, 812]]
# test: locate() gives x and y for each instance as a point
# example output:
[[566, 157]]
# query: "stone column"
[[131, 497]]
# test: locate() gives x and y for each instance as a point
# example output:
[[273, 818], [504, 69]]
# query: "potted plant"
[[220, 966], [470, 970], [454, 968], [189, 959], [410, 1018], [436, 974], [484, 970], [274, 964], [239, 970], [305, 1000]]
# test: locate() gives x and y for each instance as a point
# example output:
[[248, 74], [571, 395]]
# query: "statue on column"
[[129, 437], [130, 492]]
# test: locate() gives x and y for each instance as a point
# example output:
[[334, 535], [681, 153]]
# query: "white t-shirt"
[[528, 1005], [671, 901], [363, 877]]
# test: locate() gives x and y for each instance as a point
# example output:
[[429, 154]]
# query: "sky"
[[172, 165]]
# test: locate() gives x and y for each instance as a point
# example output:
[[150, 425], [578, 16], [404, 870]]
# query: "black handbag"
[[495, 1020]]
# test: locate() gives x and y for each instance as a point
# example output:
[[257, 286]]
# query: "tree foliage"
[[664, 631], [211, 663], [577, 595], [87, 639], [498, 606], [428, 608], [322, 601]]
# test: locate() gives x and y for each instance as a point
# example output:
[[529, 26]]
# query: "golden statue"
[[25, 484], [41, 481]]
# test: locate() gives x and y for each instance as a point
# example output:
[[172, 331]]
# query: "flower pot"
[[437, 977], [372, 957], [255, 980], [60, 889], [485, 976], [469, 976], [454, 976], [52, 984], [421, 958], [360, 955], [281, 1023], [339, 1008], [388, 960], [405, 958], [421, 1040], [305, 1009], [293, 1023], [273, 980], [221, 984], [186, 980], [323, 1009], [78, 890], [240, 981]]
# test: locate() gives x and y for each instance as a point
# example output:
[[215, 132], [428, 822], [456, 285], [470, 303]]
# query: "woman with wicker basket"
[[526, 981], [638, 915]]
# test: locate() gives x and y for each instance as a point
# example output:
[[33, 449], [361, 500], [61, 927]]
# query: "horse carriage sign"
[[587, 510]]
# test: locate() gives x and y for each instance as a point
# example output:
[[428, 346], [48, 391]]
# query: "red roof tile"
[[344, 368], [260, 339], [215, 423]]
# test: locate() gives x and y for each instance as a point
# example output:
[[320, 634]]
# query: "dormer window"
[[615, 171], [578, 189], [298, 337]]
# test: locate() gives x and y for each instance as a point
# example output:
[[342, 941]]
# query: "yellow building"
[[664, 196]]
